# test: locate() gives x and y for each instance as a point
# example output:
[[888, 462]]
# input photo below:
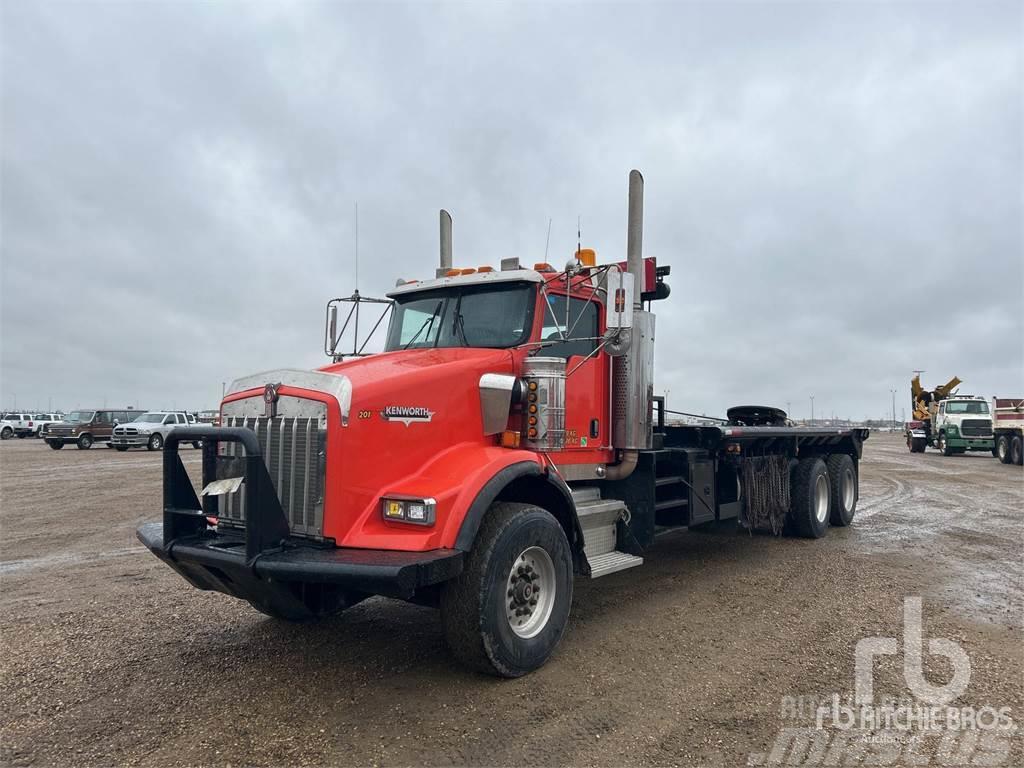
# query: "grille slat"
[[976, 428], [293, 451]]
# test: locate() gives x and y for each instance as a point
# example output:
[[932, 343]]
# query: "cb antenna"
[[547, 242], [357, 247], [579, 236]]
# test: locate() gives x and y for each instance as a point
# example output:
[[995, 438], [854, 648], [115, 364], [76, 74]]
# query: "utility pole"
[[893, 391], [789, 407], [812, 410]]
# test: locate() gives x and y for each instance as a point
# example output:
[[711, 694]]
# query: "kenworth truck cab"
[[506, 441]]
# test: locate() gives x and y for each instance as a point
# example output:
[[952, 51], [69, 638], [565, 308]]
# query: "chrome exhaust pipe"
[[635, 235], [446, 242]]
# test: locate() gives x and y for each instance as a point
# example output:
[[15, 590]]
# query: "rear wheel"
[[917, 444], [156, 442], [22, 435], [120, 447], [507, 611], [55, 444], [84, 442], [842, 477], [810, 496], [1016, 451]]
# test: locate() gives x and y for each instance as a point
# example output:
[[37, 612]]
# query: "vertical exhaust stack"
[[446, 243], [633, 381], [635, 235]]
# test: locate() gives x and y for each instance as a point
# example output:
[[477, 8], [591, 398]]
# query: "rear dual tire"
[[916, 444], [508, 609], [1016, 451], [810, 495]]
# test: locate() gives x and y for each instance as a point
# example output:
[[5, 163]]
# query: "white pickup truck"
[[1008, 429], [150, 430]]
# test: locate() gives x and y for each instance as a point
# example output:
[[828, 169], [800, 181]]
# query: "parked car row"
[[120, 429], [21, 424]]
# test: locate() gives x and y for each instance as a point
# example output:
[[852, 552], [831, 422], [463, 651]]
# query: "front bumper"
[[971, 443], [217, 561], [263, 563], [131, 441]]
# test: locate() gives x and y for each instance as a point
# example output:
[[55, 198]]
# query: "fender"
[[501, 481]]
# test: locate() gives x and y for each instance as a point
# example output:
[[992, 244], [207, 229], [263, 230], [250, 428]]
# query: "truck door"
[[586, 386]]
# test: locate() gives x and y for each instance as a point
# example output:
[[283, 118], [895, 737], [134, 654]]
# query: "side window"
[[104, 417], [180, 419], [582, 328]]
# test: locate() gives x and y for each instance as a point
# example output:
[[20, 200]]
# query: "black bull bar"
[[264, 564]]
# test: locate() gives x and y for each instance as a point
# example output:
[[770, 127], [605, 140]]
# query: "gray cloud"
[[837, 186]]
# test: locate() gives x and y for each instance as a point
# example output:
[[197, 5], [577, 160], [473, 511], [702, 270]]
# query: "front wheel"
[[84, 442], [6, 433], [156, 442], [944, 446], [507, 611]]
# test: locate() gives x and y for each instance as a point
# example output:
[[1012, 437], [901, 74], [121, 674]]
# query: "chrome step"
[[611, 562], [670, 504], [598, 520], [586, 494]]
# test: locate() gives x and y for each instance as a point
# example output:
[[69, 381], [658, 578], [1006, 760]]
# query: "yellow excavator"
[[923, 403]]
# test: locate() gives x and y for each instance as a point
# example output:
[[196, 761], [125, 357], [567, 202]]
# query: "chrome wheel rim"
[[821, 498], [530, 592], [849, 490]]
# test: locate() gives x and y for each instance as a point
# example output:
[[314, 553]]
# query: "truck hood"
[[438, 364]]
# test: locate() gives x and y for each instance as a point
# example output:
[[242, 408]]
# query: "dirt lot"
[[110, 658]]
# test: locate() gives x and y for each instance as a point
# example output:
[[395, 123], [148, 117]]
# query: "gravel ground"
[[693, 659]]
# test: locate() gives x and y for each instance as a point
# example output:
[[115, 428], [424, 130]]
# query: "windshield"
[[474, 316], [151, 418], [80, 417], [966, 406]]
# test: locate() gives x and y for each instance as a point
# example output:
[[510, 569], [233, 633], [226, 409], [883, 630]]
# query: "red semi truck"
[[505, 442]]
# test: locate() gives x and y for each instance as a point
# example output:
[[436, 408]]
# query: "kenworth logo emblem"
[[406, 414]]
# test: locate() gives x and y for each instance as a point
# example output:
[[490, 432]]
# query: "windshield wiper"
[[459, 322], [426, 325]]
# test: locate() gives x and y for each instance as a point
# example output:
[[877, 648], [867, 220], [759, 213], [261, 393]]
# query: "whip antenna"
[[547, 242]]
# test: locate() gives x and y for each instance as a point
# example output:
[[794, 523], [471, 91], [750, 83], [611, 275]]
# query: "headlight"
[[409, 509]]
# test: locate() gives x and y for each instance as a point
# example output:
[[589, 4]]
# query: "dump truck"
[[1008, 429], [948, 421], [506, 442]]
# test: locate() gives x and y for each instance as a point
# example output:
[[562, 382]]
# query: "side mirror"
[[116, 422], [332, 328]]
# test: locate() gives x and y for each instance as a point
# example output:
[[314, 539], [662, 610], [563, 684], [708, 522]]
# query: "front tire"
[[6, 434], [508, 609], [156, 442], [944, 446], [842, 477], [84, 442], [810, 498]]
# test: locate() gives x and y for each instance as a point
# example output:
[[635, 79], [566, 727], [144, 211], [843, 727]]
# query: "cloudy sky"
[[837, 186]]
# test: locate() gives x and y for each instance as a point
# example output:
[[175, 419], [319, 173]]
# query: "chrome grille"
[[976, 428], [294, 451]]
